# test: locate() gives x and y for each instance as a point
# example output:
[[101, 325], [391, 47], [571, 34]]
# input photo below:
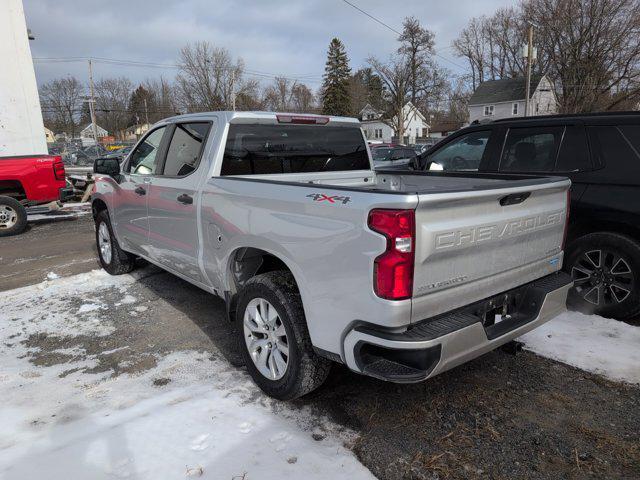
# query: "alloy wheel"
[[104, 243], [602, 277], [266, 338]]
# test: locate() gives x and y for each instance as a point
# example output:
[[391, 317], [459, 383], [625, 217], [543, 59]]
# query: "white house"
[[86, 134], [505, 98], [415, 124]]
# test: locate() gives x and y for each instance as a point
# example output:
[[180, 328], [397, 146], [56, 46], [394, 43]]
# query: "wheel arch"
[[245, 263], [580, 229]]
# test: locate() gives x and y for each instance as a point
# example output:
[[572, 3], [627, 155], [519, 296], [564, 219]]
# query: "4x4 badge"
[[321, 197]]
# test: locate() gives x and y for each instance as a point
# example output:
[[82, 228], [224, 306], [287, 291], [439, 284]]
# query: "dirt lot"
[[501, 416]]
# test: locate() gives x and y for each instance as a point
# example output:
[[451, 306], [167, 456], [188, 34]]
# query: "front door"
[[131, 214], [173, 200]]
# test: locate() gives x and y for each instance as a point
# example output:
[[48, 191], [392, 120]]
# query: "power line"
[[309, 77], [397, 32]]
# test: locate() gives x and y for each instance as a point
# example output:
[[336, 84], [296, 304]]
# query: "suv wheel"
[[13, 217], [274, 339], [112, 258], [606, 272]]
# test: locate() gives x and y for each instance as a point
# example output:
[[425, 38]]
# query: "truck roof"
[[261, 117]]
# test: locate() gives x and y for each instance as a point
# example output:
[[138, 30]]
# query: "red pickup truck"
[[25, 181]]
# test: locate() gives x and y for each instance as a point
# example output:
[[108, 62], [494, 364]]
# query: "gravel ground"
[[500, 416]]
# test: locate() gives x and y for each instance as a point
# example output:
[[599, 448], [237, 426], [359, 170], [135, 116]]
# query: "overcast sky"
[[272, 36]]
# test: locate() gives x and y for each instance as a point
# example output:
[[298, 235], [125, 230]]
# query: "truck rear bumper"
[[65, 193], [438, 344]]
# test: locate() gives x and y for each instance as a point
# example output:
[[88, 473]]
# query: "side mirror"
[[107, 166]]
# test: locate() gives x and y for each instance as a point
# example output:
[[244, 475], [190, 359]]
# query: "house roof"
[[446, 126], [88, 125], [505, 90]]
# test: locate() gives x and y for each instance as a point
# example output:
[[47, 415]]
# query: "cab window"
[[531, 149], [185, 149], [464, 153], [145, 157]]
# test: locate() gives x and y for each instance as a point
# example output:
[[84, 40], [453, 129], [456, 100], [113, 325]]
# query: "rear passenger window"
[[574, 152], [612, 149], [531, 149], [185, 149], [632, 133], [263, 149]]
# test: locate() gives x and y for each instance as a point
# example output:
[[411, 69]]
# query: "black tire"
[[603, 290], [305, 370], [11, 207], [120, 262]]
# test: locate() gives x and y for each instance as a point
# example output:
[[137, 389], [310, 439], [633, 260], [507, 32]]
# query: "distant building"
[[49, 135], [505, 98], [375, 129], [134, 132], [86, 134], [444, 128]]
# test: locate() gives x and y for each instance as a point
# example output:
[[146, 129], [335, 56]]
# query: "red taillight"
[[58, 170], [393, 270], [302, 119], [566, 219]]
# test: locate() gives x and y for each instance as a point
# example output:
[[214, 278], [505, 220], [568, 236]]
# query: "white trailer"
[[21, 125]]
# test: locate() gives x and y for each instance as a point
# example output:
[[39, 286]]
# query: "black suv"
[[600, 153]]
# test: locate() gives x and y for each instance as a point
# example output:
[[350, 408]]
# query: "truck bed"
[[409, 182]]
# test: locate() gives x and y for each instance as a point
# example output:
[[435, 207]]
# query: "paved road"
[[500, 416], [64, 247]]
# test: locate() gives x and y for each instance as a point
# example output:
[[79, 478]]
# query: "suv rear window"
[[263, 149]]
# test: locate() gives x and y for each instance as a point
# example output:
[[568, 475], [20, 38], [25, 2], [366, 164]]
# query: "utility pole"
[[233, 90], [92, 102], [146, 113], [529, 64]]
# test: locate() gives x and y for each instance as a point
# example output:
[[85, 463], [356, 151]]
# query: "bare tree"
[[112, 104], [278, 96], [593, 50], [209, 77], [61, 102], [396, 77], [303, 100], [162, 93], [589, 48]]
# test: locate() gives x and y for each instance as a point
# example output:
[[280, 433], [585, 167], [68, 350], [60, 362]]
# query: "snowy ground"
[[599, 345], [190, 415]]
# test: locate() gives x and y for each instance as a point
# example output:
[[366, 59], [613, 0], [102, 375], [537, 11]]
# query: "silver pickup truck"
[[320, 259]]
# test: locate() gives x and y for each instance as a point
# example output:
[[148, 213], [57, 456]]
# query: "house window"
[[488, 110], [514, 109], [537, 107], [417, 132]]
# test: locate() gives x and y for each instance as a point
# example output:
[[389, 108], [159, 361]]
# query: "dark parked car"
[[600, 153], [393, 157]]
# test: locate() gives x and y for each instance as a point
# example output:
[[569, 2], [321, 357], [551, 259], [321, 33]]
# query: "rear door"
[[131, 216], [173, 200]]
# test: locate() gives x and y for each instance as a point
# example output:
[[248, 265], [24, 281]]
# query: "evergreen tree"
[[335, 87], [140, 112]]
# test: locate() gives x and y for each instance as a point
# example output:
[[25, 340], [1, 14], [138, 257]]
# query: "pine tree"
[[335, 87]]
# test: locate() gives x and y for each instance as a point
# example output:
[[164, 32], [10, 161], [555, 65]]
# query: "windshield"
[[265, 149]]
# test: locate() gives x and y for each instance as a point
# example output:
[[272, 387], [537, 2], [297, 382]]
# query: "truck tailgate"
[[474, 244]]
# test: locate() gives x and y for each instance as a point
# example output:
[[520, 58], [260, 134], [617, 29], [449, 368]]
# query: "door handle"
[[140, 191], [186, 199]]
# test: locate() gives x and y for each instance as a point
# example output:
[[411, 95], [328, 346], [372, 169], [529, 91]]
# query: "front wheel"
[[274, 339], [605, 268], [13, 217], [112, 258]]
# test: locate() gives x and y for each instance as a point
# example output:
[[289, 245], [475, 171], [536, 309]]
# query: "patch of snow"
[[52, 276], [89, 307], [592, 343], [127, 300], [209, 421]]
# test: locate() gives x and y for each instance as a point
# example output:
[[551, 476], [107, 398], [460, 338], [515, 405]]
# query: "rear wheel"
[[112, 258], [606, 272], [13, 217], [275, 341]]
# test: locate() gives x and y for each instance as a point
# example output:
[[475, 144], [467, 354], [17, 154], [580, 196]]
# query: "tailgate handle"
[[514, 198]]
